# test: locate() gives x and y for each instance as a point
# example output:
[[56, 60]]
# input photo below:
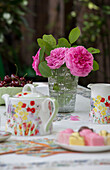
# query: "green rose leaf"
[[45, 44], [74, 35], [63, 42], [93, 50], [74, 45], [41, 43], [95, 65], [44, 69], [41, 54], [57, 46], [50, 40]]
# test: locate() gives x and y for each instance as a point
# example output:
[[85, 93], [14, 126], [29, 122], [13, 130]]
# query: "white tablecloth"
[[30, 162]]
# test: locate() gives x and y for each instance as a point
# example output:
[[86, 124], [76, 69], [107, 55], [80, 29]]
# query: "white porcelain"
[[84, 148], [42, 88], [30, 90], [4, 135], [100, 103], [30, 113]]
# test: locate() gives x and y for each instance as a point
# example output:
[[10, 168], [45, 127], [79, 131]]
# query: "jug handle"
[[90, 85], [54, 112]]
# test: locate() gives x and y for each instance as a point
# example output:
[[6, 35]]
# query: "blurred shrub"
[[12, 16]]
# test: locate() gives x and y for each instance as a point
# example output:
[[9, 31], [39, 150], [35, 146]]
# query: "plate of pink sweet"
[[85, 140]]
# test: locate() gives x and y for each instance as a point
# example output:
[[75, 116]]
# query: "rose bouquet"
[[52, 55], [63, 62]]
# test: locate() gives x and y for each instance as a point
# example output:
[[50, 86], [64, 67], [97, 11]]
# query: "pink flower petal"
[[79, 61], [56, 58], [36, 62]]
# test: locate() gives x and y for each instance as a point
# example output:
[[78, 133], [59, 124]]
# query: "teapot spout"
[[6, 99]]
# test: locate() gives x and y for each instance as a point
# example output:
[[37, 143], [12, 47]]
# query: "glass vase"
[[63, 87]]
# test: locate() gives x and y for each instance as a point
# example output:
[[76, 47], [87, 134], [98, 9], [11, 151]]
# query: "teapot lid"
[[29, 90]]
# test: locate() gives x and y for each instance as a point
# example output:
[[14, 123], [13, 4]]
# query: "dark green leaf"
[[63, 42], [93, 50], [57, 46], [50, 40], [24, 21], [41, 55], [42, 43], [19, 12], [44, 69], [74, 45], [95, 65], [74, 35]]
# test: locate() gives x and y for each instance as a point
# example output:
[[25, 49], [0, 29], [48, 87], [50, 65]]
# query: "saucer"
[[4, 135], [84, 148]]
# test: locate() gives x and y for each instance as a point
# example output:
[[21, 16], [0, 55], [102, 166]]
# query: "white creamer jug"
[[100, 103]]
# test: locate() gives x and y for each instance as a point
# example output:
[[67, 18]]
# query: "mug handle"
[[55, 111]]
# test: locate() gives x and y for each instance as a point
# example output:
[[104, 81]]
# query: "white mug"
[[100, 103]]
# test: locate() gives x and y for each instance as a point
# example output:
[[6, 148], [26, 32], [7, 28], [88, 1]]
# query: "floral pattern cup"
[[29, 113], [100, 103]]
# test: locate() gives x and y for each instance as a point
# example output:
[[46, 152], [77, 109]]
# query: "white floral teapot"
[[30, 113]]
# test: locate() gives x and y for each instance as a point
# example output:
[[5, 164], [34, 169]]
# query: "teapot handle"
[[55, 111], [27, 87]]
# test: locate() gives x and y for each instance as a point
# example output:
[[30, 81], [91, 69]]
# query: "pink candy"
[[68, 131], [91, 138], [84, 132], [63, 136]]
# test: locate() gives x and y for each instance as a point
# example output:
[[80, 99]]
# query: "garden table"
[[78, 160]]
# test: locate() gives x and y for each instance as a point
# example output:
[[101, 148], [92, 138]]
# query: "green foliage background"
[[94, 27], [12, 16]]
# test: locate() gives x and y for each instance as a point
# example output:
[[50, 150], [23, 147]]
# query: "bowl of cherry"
[[12, 85]]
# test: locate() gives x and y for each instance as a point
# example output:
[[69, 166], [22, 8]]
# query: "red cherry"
[[15, 83], [22, 84], [9, 84], [7, 79], [22, 79], [12, 82], [4, 82], [29, 82], [1, 84], [14, 77]]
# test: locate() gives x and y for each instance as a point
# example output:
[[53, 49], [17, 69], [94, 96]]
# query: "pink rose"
[[79, 61], [36, 63], [56, 58]]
